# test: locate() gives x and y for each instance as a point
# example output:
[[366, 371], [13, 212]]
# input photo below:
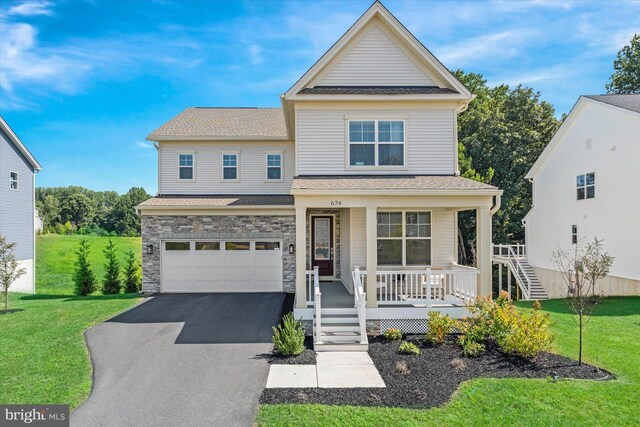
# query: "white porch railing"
[[360, 298], [312, 280], [317, 329], [455, 286], [518, 251]]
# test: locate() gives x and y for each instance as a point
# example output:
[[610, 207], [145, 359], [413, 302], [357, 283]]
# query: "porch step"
[[339, 311], [340, 320], [333, 346], [340, 327], [342, 339]]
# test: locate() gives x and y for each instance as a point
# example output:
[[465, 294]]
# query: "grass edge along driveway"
[[43, 355], [611, 341]]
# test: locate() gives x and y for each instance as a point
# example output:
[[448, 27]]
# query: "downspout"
[[157, 146], [496, 204]]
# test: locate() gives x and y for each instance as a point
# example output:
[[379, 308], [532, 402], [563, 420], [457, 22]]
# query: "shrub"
[[131, 273], [528, 336], [83, 278], [288, 337], [473, 332], [458, 364], [438, 326], [536, 305], [111, 283], [407, 347], [393, 334], [402, 367]]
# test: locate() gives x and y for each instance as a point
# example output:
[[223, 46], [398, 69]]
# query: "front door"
[[322, 244]]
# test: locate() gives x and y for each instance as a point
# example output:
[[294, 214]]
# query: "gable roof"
[[19, 145], [199, 123], [375, 90], [629, 102], [378, 11]]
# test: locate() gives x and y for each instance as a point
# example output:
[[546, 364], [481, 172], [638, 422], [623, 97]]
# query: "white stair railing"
[[318, 305], [520, 271], [360, 298]]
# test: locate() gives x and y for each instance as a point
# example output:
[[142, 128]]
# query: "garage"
[[221, 266]]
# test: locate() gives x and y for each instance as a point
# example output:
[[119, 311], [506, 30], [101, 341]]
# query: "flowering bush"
[[438, 326], [393, 334]]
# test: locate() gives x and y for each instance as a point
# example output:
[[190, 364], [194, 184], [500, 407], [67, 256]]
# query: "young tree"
[[131, 272], [83, 278], [9, 271], [581, 270], [111, 283], [626, 69]]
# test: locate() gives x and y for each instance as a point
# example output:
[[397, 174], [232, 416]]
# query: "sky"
[[83, 83]]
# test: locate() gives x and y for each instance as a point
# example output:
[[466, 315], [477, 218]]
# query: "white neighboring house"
[[584, 186], [18, 169], [354, 181]]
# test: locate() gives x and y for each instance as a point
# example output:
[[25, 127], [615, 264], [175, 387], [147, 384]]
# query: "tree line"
[[74, 209]]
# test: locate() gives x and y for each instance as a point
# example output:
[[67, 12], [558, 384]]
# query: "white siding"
[[359, 237], [444, 238], [375, 60], [208, 164], [429, 138], [345, 247], [614, 214]]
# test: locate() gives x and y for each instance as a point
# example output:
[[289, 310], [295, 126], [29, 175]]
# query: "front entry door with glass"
[[322, 244]]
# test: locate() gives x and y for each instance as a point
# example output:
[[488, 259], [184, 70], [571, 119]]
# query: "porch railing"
[[312, 280], [317, 329], [455, 286], [507, 251], [360, 298]]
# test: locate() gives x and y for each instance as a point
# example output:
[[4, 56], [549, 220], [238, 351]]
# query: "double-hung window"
[[586, 186], [404, 238], [230, 167], [13, 180], [376, 143], [274, 167], [185, 166]]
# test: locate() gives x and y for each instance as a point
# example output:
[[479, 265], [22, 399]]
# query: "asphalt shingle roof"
[[398, 182], [200, 122], [628, 102], [375, 90], [219, 200]]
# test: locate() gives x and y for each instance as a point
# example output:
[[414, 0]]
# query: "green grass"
[[56, 255], [43, 356], [612, 341]]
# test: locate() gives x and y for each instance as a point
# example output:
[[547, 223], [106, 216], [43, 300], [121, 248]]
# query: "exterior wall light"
[[149, 249], [292, 249]]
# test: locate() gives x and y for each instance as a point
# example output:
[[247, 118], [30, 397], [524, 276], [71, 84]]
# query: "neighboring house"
[[18, 170], [356, 176], [584, 186]]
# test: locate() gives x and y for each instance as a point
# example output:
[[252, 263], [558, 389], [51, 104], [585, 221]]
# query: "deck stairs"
[[515, 258], [340, 331]]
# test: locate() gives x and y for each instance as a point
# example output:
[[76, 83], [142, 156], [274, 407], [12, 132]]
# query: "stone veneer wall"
[[158, 227]]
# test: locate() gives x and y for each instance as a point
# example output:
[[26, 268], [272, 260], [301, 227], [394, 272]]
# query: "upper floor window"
[[586, 186], [185, 166], [230, 167], [376, 143], [574, 234], [274, 167], [404, 238], [13, 180]]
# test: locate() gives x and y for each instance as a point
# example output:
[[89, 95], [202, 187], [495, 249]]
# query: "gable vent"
[[588, 144]]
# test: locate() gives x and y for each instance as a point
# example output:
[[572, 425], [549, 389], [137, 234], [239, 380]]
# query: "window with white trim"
[[274, 167], [185, 166], [230, 167], [586, 186], [574, 234], [404, 238], [13, 180], [376, 142]]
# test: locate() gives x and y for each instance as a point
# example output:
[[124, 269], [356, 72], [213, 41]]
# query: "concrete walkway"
[[181, 360], [334, 369]]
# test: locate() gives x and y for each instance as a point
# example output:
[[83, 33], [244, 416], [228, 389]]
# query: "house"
[[584, 187], [18, 170], [347, 195]]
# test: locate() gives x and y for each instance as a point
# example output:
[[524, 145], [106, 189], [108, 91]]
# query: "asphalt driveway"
[[181, 359]]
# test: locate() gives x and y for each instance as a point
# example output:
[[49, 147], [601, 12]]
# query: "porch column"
[[372, 256], [301, 257], [483, 250]]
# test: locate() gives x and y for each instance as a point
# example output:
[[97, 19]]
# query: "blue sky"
[[83, 82]]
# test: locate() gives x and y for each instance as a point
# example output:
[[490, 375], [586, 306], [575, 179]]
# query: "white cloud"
[[143, 144], [31, 8], [255, 53]]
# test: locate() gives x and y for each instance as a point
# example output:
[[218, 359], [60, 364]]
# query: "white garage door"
[[221, 266]]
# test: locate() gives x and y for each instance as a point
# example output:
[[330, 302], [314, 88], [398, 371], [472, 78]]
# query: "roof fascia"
[[19, 145]]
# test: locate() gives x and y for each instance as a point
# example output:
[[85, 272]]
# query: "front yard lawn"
[[43, 356], [611, 343]]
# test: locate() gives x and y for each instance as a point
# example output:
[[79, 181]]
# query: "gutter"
[[497, 203]]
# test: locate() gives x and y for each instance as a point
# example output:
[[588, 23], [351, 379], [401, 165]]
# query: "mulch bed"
[[307, 357], [432, 377]]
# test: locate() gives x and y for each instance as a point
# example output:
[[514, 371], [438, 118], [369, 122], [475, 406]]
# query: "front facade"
[[355, 177], [584, 187], [17, 203]]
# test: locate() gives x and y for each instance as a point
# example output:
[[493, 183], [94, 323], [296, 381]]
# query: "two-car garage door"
[[221, 266]]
